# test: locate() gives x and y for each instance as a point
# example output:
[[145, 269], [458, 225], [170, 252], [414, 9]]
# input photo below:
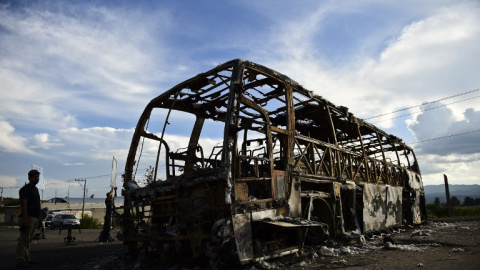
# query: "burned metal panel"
[[242, 230], [242, 226], [374, 210], [294, 201], [241, 191], [259, 215], [416, 208], [279, 185], [349, 207], [394, 215], [414, 180], [382, 207]]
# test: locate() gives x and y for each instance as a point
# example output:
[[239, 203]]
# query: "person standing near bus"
[[110, 208], [30, 212]]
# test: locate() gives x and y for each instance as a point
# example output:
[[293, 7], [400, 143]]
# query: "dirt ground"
[[440, 244]]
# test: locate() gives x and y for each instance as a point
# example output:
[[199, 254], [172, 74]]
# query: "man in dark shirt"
[[28, 219], [107, 224]]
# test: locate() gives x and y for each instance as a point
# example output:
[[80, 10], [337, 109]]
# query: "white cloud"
[[79, 60], [9, 142], [42, 141], [457, 137], [63, 188], [460, 169], [28, 101], [74, 164], [7, 181], [433, 58], [96, 142]]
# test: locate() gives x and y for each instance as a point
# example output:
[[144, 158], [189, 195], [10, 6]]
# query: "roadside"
[[54, 253], [450, 243]]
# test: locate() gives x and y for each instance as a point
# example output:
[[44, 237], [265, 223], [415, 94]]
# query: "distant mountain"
[[459, 191]]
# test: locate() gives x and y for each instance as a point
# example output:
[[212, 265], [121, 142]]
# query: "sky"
[[76, 75]]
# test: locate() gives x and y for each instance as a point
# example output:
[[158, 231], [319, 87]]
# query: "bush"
[[89, 222]]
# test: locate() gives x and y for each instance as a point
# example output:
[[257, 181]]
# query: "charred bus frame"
[[267, 166]]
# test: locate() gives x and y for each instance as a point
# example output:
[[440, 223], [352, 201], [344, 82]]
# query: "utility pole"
[[447, 193], [84, 188]]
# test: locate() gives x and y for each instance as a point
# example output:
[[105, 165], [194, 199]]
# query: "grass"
[[441, 211], [466, 211]]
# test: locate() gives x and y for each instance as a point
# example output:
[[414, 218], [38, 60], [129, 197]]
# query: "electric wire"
[[425, 103], [428, 109], [444, 137]]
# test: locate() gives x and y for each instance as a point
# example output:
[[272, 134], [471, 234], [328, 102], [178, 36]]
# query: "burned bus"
[[241, 164]]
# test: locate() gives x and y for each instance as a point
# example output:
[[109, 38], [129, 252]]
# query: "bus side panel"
[[374, 210], [418, 211], [394, 206]]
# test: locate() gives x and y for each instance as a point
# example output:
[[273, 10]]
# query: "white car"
[[65, 221]]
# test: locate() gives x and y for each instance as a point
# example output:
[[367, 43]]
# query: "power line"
[[424, 110], [444, 137], [103, 175], [425, 103]]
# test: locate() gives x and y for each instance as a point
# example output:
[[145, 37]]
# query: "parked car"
[[64, 221], [48, 221]]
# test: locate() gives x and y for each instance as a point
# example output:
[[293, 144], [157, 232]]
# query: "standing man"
[[30, 211], [107, 224]]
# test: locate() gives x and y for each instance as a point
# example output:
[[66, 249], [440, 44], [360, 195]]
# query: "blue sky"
[[76, 75]]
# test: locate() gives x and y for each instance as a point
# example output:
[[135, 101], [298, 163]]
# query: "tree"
[[148, 176], [468, 201], [477, 201], [454, 201], [437, 201]]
